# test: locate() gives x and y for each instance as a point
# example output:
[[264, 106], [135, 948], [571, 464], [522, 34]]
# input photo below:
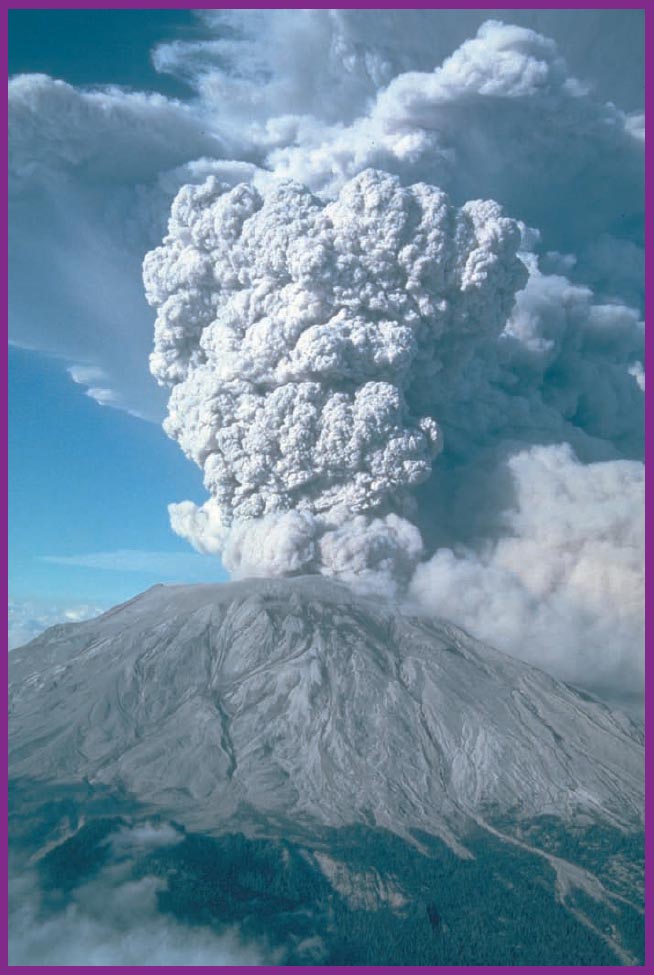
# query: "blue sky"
[[89, 484], [97, 46], [85, 479]]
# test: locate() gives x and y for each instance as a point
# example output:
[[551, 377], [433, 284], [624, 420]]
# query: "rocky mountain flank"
[[298, 711]]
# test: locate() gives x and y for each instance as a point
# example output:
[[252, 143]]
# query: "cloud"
[[184, 566], [113, 918], [331, 63], [503, 118], [359, 365], [322, 355], [298, 339], [97, 385], [320, 95], [564, 368], [27, 620], [558, 580], [279, 314], [94, 171]]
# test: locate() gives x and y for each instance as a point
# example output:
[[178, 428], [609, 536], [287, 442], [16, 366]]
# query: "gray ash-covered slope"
[[296, 711], [296, 697]]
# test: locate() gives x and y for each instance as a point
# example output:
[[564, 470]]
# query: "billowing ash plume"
[[307, 345], [302, 398]]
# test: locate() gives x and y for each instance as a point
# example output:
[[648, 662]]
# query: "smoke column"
[[303, 343], [420, 395]]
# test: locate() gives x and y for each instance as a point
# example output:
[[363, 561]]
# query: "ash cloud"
[[401, 393], [347, 425], [501, 117], [302, 342], [481, 110], [558, 578]]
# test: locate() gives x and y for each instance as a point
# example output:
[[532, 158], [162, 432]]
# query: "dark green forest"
[[497, 907]]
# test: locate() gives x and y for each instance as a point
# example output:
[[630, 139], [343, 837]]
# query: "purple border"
[[648, 7]]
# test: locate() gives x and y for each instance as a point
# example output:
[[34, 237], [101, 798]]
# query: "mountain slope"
[[295, 697], [295, 711]]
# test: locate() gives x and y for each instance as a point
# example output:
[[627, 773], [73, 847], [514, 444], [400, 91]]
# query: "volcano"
[[348, 781]]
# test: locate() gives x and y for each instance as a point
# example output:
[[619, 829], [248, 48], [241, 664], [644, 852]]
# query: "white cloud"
[[27, 620], [181, 566], [560, 583], [322, 95], [330, 63], [113, 918], [296, 336], [503, 118], [94, 171]]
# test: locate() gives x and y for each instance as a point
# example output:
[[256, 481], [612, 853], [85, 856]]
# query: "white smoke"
[[301, 341], [322, 355], [501, 117], [560, 581]]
